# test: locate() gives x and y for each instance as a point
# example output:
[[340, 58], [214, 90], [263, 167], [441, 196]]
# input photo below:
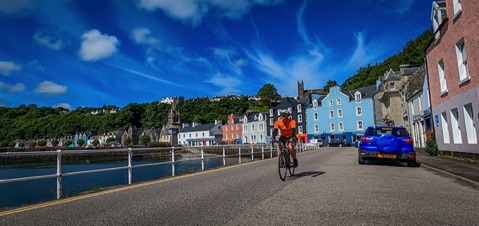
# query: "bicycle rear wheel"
[[291, 168], [282, 168]]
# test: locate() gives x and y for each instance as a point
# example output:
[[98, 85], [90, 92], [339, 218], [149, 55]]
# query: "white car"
[[315, 142]]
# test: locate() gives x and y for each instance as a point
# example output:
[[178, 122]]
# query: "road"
[[330, 189]]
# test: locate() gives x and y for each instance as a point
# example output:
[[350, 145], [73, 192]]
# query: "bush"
[[431, 145]]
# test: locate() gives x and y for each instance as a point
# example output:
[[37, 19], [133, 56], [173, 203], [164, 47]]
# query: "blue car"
[[387, 142]]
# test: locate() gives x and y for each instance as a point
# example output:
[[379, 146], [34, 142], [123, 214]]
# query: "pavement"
[[464, 170]]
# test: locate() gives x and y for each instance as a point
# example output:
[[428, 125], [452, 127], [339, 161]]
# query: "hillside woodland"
[[33, 122]]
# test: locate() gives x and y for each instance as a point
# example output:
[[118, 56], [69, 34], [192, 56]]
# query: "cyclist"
[[287, 127]]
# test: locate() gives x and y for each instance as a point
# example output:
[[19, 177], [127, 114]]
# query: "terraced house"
[[341, 115], [453, 73]]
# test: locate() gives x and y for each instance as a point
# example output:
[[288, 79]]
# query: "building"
[[341, 115], [419, 107], [254, 128], [453, 73], [169, 132], [233, 130], [200, 134], [298, 112], [390, 106]]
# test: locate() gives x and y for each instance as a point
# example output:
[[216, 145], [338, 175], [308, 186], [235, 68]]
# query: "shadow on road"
[[305, 174]]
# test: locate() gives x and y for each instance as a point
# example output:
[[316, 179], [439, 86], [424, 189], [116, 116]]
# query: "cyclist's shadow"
[[306, 174]]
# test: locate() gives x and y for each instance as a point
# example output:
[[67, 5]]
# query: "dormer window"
[[357, 96], [315, 104]]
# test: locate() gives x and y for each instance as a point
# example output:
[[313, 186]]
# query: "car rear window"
[[399, 132]]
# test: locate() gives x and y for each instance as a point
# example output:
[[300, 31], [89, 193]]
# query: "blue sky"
[[90, 53]]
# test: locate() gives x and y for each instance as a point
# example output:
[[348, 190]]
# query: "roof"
[[366, 92]]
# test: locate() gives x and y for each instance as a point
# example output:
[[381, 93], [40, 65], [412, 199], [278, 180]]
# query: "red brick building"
[[453, 73], [233, 130]]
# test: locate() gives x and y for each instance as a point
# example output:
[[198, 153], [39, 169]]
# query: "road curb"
[[472, 183]]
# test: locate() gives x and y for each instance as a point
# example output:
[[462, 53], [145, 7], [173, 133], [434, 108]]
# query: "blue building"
[[341, 115]]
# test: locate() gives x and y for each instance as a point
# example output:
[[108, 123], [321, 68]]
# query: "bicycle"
[[285, 160]]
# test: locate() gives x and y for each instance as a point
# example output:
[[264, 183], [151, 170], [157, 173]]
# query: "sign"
[[436, 119], [427, 112]]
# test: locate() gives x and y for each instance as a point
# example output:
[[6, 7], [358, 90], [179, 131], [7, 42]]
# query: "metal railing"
[[216, 151]]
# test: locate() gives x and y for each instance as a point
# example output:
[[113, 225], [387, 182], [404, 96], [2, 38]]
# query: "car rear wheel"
[[360, 160]]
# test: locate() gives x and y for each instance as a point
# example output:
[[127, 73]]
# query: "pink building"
[[453, 74]]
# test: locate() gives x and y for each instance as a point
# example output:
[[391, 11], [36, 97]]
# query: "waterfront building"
[[341, 115], [200, 134], [254, 128], [233, 130], [453, 73]]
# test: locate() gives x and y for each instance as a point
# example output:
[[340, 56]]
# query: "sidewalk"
[[463, 170]]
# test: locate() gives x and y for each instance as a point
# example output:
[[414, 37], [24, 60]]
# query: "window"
[[316, 128], [359, 125], [315, 116], [299, 108], [445, 128], [237, 127], [330, 103], [457, 6], [442, 76], [226, 128], [456, 129], [340, 113], [340, 126], [331, 127], [470, 125], [331, 114], [357, 96], [392, 86], [462, 61], [338, 102], [271, 112], [261, 127], [245, 128], [300, 129], [300, 118], [271, 121], [252, 127], [359, 111]]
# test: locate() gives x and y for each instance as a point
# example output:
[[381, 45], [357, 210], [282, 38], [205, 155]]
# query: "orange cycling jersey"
[[286, 127]]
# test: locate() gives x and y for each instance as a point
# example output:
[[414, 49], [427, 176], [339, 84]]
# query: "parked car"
[[315, 142], [339, 144], [387, 142]]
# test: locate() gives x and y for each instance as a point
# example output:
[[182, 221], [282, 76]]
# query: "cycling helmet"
[[284, 111]]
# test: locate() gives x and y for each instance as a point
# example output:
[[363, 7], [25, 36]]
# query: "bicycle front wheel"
[[282, 168], [291, 168]]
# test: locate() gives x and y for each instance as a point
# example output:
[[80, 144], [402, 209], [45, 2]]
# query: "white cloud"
[[15, 6], [48, 40], [96, 46], [228, 84], [193, 11], [142, 36], [7, 67], [19, 87], [50, 88], [63, 105]]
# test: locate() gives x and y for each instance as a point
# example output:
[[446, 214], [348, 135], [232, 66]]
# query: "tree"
[[68, 143], [329, 84], [96, 142], [110, 139], [128, 141], [145, 139], [55, 142], [42, 143], [268, 92], [80, 142]]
